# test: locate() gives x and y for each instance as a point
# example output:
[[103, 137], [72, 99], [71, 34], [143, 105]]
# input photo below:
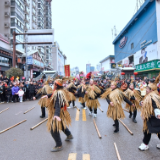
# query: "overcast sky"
[[83, 28]]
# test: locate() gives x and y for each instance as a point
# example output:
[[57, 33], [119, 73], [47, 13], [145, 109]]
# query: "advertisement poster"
[[67, 70], [146, 54]]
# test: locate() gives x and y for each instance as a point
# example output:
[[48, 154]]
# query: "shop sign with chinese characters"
[[151, 65]]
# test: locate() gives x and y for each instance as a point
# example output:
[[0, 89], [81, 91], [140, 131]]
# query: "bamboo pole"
[[77, 108], [97, 129], [118, 156], [28, 110], [125, 110], [4, 110], [38, 124], [13, 126], [100, 109], [126, 127]]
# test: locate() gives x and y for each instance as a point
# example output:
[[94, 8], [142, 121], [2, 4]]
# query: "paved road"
[[20, 143]]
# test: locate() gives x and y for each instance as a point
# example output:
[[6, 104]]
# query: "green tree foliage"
[[16, 72]]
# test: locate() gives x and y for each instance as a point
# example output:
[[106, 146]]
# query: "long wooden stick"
[[13, 126], [28, 110], [100, 109], [97, 129], [118, 156], [4, 110], [38, 124], [125, 110], [77, 108], [126, 127]]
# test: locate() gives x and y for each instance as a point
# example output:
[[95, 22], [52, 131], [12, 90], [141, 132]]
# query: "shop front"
[[5, 60], [149, 69]]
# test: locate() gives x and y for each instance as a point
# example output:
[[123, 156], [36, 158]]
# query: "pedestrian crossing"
[[83, 115], [73, 156]]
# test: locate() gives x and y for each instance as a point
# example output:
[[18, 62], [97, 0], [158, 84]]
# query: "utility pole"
[[14, 50], [25, 37]]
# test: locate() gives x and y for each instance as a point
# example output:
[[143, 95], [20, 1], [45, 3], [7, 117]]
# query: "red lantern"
[[135, 73], [122, 73]]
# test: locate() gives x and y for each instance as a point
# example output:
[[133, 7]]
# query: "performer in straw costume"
[[135, 97], [72, 89], [81, 93], [150, 113], [92, 102], [46, 89], [58, 117], [115, 97]]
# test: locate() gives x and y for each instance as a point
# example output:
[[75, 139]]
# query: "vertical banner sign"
[[67, 70]]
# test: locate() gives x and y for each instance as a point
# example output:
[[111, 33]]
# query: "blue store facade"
[[137, 44]]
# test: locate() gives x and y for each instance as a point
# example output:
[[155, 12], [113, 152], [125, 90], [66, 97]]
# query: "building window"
[[132, 45]]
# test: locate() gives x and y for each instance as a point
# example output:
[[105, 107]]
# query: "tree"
[[16, 72]]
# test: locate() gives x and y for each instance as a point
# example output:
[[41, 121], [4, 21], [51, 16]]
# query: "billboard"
[[146, 54], [67, 70]]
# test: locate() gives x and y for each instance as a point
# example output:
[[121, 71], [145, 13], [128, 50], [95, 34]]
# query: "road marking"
[[77, 115], [72, 156], [83, 114], [86, 157]]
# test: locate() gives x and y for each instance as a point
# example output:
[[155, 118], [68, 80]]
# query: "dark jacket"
[[31, 88], [9, 91]]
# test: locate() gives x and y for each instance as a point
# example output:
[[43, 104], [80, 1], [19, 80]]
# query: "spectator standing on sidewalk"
[[31, 90], [15, 90], [1, 92], [20, 94], [9, 93]]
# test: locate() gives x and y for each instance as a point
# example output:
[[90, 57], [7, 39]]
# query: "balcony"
[[17, 26], [16, 15], [26, 2], [34, 26], [26, 19], [34, 5], [41, 1], [26, 11], [14, 4]]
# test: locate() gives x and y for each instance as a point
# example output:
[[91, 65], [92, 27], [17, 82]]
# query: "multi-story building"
[[21, 15], [137, 47]]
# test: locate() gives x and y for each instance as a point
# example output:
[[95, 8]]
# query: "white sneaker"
[[158, 146], [2, 102], [90, 113], [84, 108], [143, 147], [95, 115], [69, 107]]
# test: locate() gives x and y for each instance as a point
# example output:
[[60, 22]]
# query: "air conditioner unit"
[[6, 35], [7, 14], [6, 25], [7, 3]]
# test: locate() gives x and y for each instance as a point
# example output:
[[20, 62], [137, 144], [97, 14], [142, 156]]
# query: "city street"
[[21, 143]]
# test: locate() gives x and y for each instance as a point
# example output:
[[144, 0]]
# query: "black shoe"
[[114, 125], [134, 120], [130, 116], [69, 138], [116, 130], [42, 116], [56, 149]]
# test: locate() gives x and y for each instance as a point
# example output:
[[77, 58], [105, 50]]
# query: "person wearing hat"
[[81, 93], [46, 89], [72, 89], [58, 116], [115, 97], [150, 114], [135, 97], [92, 102]]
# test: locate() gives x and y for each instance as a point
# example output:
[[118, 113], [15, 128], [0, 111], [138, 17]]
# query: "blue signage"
[[29, 60]]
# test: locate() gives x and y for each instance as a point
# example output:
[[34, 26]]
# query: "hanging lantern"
[[135, 73], [122, 73]]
